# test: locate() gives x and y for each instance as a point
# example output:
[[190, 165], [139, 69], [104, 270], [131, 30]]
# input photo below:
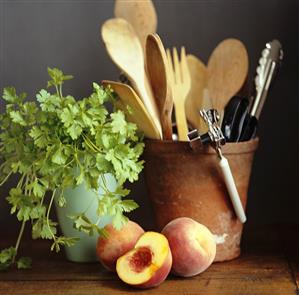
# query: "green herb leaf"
[[63, 241], [119, 220], [17, 118], [128, 205], [57, 77], [48, 102], [40, 136], [10, 95], [59, 157], [44, 229], [6, 258], [24, 263]]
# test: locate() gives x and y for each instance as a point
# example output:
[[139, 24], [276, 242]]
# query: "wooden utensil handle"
[[166, 125], [181, 122]]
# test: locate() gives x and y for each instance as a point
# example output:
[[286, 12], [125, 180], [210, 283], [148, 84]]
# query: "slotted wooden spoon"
[[157, 69], [125, 50], [140, 14]]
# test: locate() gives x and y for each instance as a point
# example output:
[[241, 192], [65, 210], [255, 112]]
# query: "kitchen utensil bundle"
[[162, 80], [207, 97]]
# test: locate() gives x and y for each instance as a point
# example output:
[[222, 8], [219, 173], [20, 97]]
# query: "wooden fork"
[[180, 80]]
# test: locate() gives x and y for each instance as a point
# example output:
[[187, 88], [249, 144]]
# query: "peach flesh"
[[148, 264]]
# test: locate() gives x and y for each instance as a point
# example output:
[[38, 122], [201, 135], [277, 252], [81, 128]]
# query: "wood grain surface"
[[268, 265]]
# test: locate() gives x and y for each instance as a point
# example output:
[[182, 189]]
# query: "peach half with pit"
[[148, 264], [117, 243], [192, 246]]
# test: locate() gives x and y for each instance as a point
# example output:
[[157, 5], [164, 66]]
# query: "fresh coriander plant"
[[56, 143]]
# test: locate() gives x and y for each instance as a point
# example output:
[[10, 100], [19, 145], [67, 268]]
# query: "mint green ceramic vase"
[[78, 200]]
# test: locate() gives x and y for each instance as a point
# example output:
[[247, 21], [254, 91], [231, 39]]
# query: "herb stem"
[[69, 163], [90, 144], [104, 184], [20, 183], [60, 91], [57, 91], [19, 239], [5, 179], [48, 213], [26, 184]]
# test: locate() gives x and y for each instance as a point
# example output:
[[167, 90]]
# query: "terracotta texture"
[[183, 182]]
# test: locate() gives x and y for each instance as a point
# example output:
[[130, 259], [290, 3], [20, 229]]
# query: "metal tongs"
[[216, 139]]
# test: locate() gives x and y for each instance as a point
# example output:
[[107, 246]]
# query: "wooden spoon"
[[138, 113], [194, 100], [156, 62], [140, 14], [126, 52], [227, 71]]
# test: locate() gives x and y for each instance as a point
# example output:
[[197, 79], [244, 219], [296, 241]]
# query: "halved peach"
[[148, 264]]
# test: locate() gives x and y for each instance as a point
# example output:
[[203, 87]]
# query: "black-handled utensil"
[[235, 113]]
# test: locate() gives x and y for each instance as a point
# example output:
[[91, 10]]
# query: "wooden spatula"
[[140, 14], [125, 50], [194, 101], [138, 113], [227, 71], [156, 62]]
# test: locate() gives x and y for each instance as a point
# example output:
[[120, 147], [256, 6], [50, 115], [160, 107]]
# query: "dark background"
[[65, 34]]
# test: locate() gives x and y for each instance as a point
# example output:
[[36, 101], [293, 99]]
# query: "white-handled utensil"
[[232, 189], [216, 139]]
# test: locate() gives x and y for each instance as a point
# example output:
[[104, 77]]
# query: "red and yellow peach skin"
[[192, 246], [117, 244]]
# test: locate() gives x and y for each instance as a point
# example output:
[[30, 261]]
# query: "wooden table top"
[[269, 264]]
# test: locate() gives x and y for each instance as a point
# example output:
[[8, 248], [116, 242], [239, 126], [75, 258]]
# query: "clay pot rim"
[[169, 146]]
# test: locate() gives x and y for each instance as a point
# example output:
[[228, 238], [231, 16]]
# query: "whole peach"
[[192, 246], [118, 243]]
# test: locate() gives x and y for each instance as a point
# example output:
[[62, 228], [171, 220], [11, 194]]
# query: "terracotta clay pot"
[[183, 182]]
